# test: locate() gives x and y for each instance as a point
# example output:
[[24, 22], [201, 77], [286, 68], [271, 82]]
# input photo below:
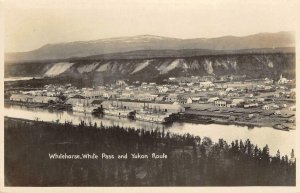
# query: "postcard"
[[143, 96]]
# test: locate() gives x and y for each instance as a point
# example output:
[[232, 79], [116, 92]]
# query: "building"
[[93, 94], [189, 100], [260, 99], [138, 105], [206, 84], [52, 93], [251, 115], [266, 107], [282, 80], [75, 99], [127, 94], [212, 100], [292, 108], [222, 103], [196, 99], [145, 96], [172, 98], [162, 89], [277, 112], [110, 94], [185, 99], [160, 98], [32, 99], [20, 98], [238, 101], [274, 106], [35, 92], [121, 83], [222, 93], [250, 105], [233, 94], [44, 99]]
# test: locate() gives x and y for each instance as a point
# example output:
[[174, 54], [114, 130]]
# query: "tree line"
[[192, 160]]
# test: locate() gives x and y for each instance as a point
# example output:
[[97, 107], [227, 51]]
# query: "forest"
[[191, 161]]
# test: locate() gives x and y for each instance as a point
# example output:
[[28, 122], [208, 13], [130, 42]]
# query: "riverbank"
[[240, 118], [282, 140], [210, 118], [54, 106]]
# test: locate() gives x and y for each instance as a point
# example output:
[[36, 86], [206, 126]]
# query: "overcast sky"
[[31, 24]]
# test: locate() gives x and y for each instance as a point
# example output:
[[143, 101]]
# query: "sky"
[[31, 24]]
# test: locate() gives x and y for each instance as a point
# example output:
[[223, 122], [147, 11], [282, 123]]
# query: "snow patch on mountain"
[[233, 65], [208, 67], [184, 64], [165, 68], [225, 64], [163, 65], [270, 64], [58, 68], [141, 66], [103, 67]]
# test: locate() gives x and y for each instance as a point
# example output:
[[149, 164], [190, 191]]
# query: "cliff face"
[[251, 65]]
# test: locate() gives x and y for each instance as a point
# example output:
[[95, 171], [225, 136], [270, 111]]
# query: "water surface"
[[276, 139]]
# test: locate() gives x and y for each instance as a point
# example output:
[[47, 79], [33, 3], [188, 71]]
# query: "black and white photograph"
[[107, 93]]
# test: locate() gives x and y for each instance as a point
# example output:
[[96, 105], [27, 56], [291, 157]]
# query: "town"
[[228, 100]]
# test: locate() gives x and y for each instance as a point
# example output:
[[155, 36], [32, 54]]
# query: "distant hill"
[[141, 46], [150, 54]]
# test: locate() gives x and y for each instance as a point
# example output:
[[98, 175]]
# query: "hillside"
[[150, 42], [97, 71]]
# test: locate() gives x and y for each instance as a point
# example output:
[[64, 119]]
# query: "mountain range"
[[144, 46]]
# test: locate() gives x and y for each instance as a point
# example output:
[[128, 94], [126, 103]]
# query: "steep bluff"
[[106, 70]]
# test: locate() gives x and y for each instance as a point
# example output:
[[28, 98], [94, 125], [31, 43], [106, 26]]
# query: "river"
[[20, 78], [276, 139]]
